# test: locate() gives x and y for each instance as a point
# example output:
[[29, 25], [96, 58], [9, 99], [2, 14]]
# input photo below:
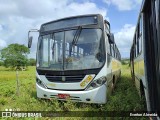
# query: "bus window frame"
[[138, 39]]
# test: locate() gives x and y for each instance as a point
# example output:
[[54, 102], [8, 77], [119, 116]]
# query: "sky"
[[17, 17]]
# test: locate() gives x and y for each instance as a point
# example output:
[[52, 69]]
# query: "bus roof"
[[73, 21], [86, 15]]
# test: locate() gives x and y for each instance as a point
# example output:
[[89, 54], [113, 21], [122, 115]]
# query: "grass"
[[124, 98]]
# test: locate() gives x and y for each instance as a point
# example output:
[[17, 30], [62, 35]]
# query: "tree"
[[15, 56], [32, 62], [1, 63]]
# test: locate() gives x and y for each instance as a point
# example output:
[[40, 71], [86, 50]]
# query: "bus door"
[[152, 53], [132, 62]]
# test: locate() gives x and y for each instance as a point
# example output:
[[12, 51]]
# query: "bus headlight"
[[40, 83], [96, 83]]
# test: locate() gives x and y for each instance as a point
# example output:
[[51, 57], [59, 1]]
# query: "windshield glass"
[[61, 51], [65, 23]]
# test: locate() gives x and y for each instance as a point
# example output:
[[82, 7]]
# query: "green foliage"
[[1, 63], [31, 62], [15, 56], [124, 98], [125, 62], [3, 101]]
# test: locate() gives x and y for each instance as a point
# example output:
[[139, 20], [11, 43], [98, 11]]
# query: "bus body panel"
[[54, 43], [95, 95]]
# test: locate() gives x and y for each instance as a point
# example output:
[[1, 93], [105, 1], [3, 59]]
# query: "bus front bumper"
[[97, 95]]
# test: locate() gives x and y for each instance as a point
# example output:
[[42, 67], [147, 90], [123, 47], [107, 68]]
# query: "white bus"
[[77, 59], [145, 55]]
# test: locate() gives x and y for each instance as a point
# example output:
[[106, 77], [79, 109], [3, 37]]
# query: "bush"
[[31, 62], [1, 63]]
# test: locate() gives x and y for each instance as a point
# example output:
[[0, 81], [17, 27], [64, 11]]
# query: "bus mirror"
[[30, 41], [111, 38], [99, 56], [30, 37]]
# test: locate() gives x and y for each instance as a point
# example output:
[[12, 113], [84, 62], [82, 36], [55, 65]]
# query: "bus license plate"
[[63, 96]]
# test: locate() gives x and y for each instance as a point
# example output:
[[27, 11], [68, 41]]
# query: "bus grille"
[[65, 79]]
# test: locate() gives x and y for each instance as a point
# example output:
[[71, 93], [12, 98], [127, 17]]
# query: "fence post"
[[17, 80]]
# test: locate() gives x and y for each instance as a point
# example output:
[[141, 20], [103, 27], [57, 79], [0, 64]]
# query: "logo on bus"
[[63, 78]]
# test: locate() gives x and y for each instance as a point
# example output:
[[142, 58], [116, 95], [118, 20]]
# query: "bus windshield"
[[61, 51]]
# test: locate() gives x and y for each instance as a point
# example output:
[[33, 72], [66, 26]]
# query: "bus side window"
[[140, 36], [116, 52], [110, 49], [113, 50], [135, 51], [118, 55], [107, 44], [140, 44], [137, 37]]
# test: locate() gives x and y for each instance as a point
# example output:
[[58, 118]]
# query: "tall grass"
[[124, 98]]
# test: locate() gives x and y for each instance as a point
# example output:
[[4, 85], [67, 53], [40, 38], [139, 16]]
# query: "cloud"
[[1, 28], [31, 8], [108, 2], [48, 8], [124, 4], [86, 7], [2, 44], [17, 17], [124, 39], [6, 9]]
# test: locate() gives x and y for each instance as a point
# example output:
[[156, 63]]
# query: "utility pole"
[[17, 80]]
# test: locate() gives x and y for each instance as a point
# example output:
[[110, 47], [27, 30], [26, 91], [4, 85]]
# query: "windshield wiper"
[[75, 38]]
